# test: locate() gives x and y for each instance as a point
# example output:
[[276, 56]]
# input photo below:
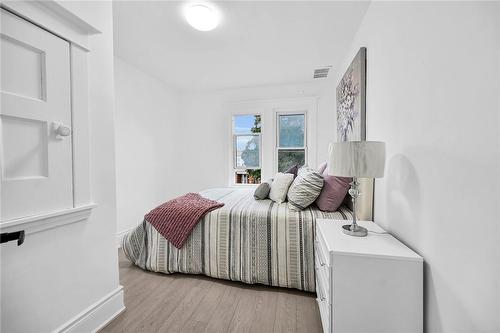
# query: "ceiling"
[[256, 43]]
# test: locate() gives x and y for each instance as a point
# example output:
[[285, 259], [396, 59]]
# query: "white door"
[[35, 161]]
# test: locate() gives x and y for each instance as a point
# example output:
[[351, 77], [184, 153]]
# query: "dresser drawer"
[[324, 310], [320, 260], [321, 248], [375, 278], [322, 284], [322, 281]]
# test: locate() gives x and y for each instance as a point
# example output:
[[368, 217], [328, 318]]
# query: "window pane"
[[246, 124], [291, 129], [247, 151], [247, 176], [288, 158]]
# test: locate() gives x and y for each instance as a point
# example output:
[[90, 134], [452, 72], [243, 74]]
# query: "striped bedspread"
[[247, 240]]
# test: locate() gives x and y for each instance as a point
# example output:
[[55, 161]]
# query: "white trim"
[[96, 316], [259, 103], [59, 8], [37, 223], [282, 112], [110, 319], [309, 109], [376, 256], [232, 150], [266, 108], [61, 21], [120, 234], [80, 135], [244, 185], [55, 18]]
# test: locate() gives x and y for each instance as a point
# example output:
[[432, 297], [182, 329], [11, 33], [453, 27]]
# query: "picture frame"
[[351, 100], [351, 123]]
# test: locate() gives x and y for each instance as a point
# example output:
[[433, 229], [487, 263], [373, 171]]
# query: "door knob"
[[61, 130]]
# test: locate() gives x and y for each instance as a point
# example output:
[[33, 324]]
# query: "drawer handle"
[[319, 257], [321, 297]]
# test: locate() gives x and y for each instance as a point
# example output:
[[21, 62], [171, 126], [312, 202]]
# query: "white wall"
[[432, 95], [433, 87], [63, 271], [147, 137], [207, 120]]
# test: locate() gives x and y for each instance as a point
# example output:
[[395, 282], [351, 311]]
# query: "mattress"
[[247, 240]]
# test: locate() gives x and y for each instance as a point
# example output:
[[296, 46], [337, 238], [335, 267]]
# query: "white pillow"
[[279, 187]]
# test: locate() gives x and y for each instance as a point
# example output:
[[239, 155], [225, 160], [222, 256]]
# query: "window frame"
[[232, 166], [235, 149], [277, 136]]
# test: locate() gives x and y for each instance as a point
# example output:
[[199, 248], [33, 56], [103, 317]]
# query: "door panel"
[[24, 148], [26, 78], [36, 164]]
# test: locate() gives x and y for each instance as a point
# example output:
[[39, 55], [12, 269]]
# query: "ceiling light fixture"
[[202, 17]]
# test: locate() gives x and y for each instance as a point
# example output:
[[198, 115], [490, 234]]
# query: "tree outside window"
[[247, 148]]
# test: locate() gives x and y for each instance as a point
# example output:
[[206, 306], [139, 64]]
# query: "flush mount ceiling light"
[[202, 17]]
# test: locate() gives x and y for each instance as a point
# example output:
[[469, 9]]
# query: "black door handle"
[[10, 236]]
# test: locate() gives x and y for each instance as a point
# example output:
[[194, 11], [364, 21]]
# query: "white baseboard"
[[119, 236], [97, 315]]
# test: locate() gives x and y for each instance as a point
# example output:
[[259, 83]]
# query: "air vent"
[[321, 73]]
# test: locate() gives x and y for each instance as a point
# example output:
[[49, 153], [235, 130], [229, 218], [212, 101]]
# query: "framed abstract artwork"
[[351, 123], [351, 100]]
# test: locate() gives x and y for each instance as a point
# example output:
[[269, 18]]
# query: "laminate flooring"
[[158, 302]]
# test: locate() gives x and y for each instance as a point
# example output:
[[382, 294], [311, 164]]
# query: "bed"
[[247, 240]]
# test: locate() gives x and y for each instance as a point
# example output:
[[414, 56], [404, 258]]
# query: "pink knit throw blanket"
[[175, 219]]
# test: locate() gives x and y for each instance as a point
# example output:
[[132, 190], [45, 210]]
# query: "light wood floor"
[[193, 303]]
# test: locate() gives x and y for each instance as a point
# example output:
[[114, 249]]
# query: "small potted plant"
[[253, 176]]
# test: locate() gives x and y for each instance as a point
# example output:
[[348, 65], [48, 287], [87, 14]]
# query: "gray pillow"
[[293, 170], [262, 191], [305, 189]]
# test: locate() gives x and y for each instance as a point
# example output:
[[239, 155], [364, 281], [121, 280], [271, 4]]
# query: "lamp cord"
[[376, 232]]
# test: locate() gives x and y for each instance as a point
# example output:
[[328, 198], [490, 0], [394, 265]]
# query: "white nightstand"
[[367, 284]]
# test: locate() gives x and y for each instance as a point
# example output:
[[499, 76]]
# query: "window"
[[291, 140], [247, 149]]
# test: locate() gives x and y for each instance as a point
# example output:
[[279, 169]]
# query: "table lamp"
[[357, 159]]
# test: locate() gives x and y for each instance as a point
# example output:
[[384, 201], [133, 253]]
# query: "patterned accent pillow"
[[305, 188]]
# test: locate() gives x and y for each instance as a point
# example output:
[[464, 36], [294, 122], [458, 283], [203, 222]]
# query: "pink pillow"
[[333, 192], [322, 168]]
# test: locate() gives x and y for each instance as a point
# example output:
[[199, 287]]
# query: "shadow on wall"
[[435, 306], [403, 202], [403, 206], [404, 220], [416, 215]]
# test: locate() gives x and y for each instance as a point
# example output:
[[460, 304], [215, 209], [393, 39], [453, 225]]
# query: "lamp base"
[[358, 232]]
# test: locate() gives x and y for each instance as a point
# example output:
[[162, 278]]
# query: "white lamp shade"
[[362, 159]]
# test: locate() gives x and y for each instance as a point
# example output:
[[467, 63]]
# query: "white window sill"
[[244, 185], [37, 223]]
